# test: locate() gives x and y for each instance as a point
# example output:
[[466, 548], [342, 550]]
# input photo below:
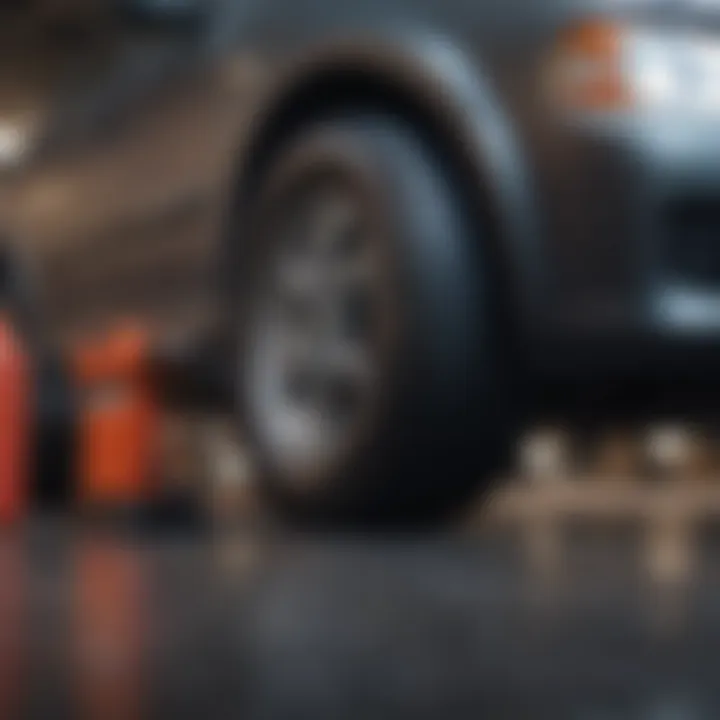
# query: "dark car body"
[[125, 198]]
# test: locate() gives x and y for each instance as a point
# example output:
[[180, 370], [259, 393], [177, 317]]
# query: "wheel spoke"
[[318, 369], [298, 277], [334, 220], [348, 361]]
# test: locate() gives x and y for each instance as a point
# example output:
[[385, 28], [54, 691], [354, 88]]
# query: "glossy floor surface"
[[125, 628]]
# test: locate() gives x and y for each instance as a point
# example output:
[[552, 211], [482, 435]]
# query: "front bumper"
[[642, 255], [681, 279]]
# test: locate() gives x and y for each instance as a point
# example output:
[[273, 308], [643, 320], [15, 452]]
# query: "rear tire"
[[434, 421]]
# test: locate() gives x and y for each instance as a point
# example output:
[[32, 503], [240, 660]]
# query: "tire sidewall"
[[439, 371]]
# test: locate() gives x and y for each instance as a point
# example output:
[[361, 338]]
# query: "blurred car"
[[402, 219]]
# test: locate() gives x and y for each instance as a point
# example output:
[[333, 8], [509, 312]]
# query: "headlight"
[[603, 66], [673, 73]]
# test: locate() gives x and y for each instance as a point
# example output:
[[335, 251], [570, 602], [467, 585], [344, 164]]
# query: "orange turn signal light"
[[585, 69]]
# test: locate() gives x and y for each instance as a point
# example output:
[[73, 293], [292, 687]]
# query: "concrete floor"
[[120, 629]]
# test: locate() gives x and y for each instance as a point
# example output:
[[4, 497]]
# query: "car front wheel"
[[368, 377]]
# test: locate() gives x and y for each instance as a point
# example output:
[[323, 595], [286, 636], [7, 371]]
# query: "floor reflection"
[[119, 628], [14, 629], [112, 624]]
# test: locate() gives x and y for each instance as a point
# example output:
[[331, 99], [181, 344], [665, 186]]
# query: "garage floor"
[[336, 627]]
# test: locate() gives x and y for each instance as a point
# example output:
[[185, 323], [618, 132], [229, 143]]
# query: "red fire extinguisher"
[[15, 422]]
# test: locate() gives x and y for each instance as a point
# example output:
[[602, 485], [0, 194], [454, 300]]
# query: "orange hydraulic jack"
[[119, 422], [15, 423]]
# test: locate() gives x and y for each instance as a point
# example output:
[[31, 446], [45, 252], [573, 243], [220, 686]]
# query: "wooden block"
[[545, 455], [680, 452], [230, 473], [617, 454]]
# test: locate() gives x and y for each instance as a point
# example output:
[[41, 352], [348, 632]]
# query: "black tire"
[[439, 423], [53, 412], [56, 428], [16, 294]]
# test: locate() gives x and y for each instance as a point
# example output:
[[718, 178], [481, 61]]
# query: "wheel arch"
[[447, 97]]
